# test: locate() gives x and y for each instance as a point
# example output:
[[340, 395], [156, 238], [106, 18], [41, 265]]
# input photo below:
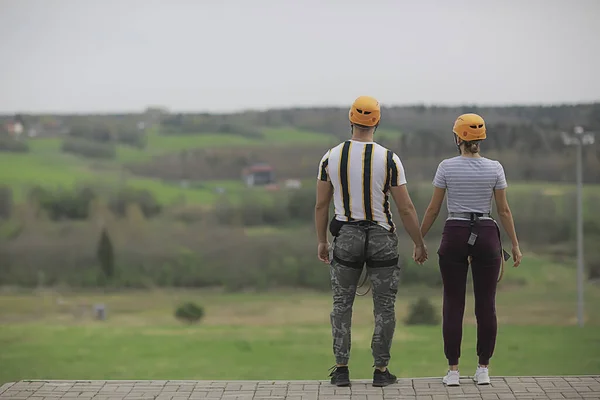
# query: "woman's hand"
[[517, 256]]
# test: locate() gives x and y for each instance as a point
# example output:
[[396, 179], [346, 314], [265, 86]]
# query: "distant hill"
[[153, 143]]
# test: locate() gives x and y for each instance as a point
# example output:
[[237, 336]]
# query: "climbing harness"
[[474, 219], [334, 229], [365, 280]]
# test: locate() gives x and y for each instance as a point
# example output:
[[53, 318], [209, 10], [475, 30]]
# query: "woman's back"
[[470, 182]]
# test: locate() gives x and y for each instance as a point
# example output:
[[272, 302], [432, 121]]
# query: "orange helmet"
[[365, 111], [469, 127]]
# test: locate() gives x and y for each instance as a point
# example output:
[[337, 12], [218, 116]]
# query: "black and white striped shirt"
[[361, 174]]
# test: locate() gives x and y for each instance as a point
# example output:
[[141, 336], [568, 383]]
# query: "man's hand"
[[420, 254], [323, 252], [517, 256]]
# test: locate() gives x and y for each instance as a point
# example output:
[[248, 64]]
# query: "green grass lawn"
[[285, 334], [294, 352]]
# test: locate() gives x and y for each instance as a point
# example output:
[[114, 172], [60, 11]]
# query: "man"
[[359, 174]]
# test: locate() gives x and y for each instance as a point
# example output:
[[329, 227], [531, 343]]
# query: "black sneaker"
[[383, 378], [340, 376]]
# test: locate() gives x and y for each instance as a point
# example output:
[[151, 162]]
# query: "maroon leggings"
[[486, 256]]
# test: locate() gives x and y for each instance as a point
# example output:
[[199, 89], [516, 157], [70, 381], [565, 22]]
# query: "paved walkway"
[[586, 387]]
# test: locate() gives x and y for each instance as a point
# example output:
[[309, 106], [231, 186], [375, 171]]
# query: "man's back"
[[361, 174]]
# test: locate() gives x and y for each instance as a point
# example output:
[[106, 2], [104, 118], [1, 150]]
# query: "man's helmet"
[[469, 127], [365, 111]]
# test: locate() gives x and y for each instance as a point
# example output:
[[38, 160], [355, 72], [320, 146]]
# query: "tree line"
[[74, 237]]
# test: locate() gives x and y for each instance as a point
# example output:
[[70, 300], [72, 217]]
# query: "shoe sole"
[[481, 383], [452, 384], [342, 384], [382, 384]]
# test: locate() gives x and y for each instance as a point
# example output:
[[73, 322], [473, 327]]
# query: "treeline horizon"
[[239, 111]]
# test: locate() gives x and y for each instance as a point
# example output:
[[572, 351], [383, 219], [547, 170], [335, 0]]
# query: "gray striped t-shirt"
[[470, 182]]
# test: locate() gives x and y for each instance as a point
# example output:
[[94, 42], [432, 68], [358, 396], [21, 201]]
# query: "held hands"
[[323, 252], [420, 254]]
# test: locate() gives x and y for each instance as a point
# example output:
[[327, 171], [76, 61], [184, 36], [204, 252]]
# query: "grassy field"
[[46, 165], [284, 334]]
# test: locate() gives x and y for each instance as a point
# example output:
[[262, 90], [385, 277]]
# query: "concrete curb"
[[6, 386]]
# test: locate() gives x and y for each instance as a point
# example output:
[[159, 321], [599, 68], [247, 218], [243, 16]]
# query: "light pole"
[[579, 139]]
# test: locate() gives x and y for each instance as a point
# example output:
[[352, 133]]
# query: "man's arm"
[[404, 204], [408, 214], [324, 195]]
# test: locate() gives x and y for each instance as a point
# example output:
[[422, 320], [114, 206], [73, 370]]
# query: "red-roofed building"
[[258, 175]]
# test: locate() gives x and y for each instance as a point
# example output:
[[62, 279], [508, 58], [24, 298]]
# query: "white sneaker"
[[452, 378], [482, 376]]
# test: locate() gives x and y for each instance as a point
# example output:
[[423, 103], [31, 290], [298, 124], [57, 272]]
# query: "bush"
[[593, 265], [105, 254], [132, 137], [422, 312], [301, 205], [6, 202], [88, 148], [98, 133], [64, 204], [189, 312], [12, 145], [145, 199]]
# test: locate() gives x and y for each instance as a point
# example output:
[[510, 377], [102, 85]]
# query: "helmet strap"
[[457, 142]]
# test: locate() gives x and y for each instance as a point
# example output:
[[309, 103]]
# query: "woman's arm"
[[508, 224], [433, 210], [505, 215]]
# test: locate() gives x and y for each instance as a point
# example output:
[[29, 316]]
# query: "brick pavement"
[[521, 388]]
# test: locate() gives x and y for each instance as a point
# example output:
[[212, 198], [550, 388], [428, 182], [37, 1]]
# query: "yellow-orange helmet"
[[469, 127], [365, 111]]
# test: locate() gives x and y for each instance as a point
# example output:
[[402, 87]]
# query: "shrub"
[[64, 204], [6, 202], [593, 266], [132, 137], [99, 133], [105, 254], [119, 201], [189, 312], [422, 312], [12, 145], [88, 148]]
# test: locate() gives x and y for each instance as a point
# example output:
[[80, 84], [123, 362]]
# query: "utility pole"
[[579, 139]]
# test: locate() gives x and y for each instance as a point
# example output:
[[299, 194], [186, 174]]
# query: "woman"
[[472, 237]]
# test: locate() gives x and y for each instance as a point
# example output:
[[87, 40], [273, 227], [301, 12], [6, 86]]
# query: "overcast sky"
[[222, 55]]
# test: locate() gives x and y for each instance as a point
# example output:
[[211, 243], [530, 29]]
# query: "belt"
[[474, 218], [468, 215]]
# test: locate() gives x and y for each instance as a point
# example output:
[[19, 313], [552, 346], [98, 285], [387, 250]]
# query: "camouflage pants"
[[348, 246]]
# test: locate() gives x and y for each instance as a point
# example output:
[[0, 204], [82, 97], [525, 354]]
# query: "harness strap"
[[469, 215], [335, 227], [473, 220]]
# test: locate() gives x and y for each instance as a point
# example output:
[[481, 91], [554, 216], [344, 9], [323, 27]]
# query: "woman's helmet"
[[469, 127], [365, 111]]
